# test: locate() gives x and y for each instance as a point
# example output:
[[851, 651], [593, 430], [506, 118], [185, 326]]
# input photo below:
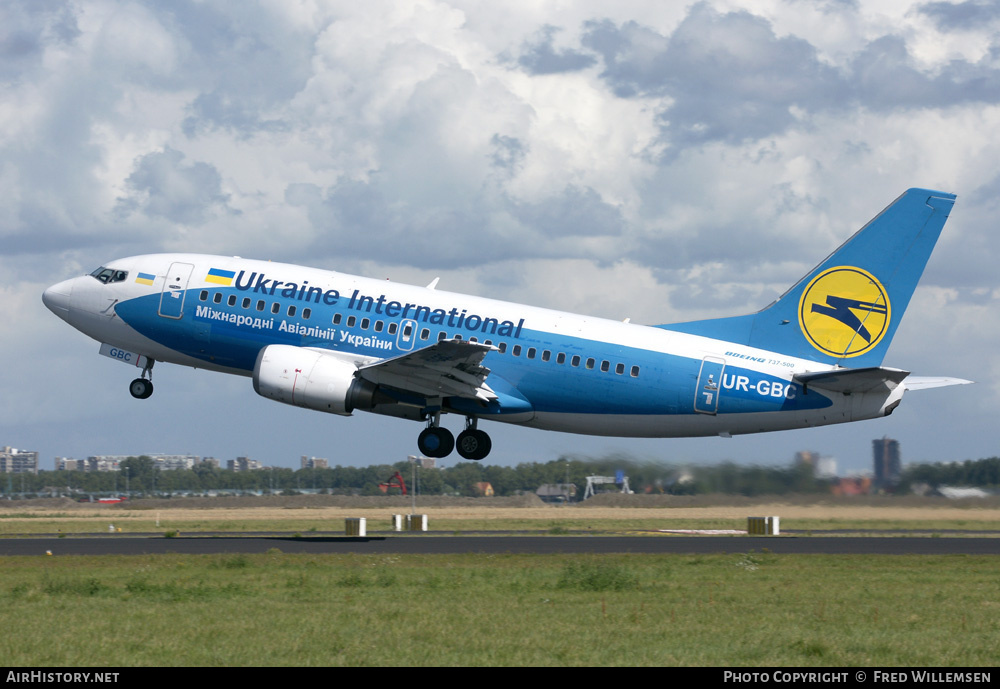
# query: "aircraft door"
[[174, 289], [407, 335], [706, 394]]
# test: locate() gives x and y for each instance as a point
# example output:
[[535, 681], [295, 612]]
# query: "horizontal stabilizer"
[[850, 380], [927, 382]]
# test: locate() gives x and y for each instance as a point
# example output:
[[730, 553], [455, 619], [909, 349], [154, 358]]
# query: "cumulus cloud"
[[541, 57], [166, 185], [969, 15], [626, 160]]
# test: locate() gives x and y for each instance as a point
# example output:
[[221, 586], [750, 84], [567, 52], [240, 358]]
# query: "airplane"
[[340, 343]]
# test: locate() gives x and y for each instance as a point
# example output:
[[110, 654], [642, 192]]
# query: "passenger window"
[[291, 310], [424, 334], [619, 368], [575, 360], [546, 355], [516, 351], [502, 347], [590, 363], [605, 365], [365, 322], [634, 372], [337, 317], [457, 337], [561, 358], [531, 352], [275, 307], [379, 325], [441, 336], [473, 339], [204, 295], [246, 303], [217, 298], [351, 320], [260, 304], [393, 327], [306, 312], [232, 300]]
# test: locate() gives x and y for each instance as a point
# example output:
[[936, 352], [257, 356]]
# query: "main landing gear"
[[142, 387], [435, 441]]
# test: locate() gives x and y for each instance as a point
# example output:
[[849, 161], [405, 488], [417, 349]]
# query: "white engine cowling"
[[311, 379]]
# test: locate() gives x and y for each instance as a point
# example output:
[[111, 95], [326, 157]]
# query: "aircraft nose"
[[57, 298]]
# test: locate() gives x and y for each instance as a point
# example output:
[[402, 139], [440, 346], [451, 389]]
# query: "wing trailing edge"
[[449, 368]]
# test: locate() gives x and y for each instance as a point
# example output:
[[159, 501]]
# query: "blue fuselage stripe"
[[231, 337]]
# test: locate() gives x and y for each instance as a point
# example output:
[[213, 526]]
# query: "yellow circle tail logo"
[[844, 311]]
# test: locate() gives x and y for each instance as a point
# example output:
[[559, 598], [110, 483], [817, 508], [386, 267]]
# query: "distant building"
[[822, 467], [14, 461], [104, 462], [826, 467], [68, 464], [556, 492], [807, 458], [242, 464], [853, 485], [314, 463], [888, 466], [161, 461]]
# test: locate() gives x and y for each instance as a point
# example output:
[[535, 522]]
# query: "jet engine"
[[311, 378]]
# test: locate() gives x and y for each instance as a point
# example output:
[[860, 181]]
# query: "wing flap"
[[449, 368]]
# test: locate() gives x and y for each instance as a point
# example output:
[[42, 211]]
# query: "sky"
[[656, 161]]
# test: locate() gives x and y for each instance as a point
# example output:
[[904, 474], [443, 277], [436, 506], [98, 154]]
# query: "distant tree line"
[[139, 475], [980, 473]]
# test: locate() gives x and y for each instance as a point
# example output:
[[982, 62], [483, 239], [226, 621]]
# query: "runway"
[[498, 544]]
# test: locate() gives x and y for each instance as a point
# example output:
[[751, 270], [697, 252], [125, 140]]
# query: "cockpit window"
[[107, 275]]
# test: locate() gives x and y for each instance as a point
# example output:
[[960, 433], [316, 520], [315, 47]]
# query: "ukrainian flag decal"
[[145, 279], [220, 277]]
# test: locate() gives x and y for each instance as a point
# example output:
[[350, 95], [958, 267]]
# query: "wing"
[[449, 368]]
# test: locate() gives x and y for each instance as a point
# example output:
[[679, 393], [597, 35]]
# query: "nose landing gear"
[[141, 388]]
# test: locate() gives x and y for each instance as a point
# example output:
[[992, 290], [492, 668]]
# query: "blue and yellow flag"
[[145, 278], [220, 277]]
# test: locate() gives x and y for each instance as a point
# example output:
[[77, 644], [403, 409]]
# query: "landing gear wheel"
[[140, 388], [474, 444], [436, 442]]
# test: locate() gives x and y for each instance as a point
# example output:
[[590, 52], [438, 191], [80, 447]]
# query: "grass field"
[[751, 609], [189, 518]]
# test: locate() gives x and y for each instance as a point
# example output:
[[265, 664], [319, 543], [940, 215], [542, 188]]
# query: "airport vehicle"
[[340, 343]]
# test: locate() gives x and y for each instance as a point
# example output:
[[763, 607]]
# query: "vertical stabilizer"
[[846, 310]]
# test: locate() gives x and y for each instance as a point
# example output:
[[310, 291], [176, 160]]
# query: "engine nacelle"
[[312, 379]]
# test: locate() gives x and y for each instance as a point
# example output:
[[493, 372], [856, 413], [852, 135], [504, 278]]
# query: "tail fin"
[[846, 310]]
